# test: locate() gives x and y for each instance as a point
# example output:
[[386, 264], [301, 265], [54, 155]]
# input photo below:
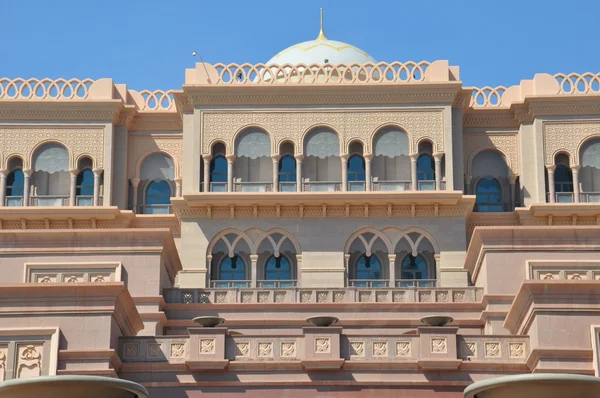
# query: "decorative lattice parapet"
[[48, 89], [301, 74], [158, 100]]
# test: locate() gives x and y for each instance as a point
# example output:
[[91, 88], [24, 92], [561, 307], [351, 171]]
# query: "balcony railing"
[[13, 201], [391, 185], [357, 186], [271, 284], [374, 283], [230, 284], [426, 185], [49, 200], [415, 282], [322, 186], [218, 187], [252, 186], [155, 209], [492, 207], [589, 197], [84, 200], [287, 187]]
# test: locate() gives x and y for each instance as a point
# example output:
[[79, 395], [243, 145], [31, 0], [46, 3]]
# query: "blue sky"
[[148, 44]]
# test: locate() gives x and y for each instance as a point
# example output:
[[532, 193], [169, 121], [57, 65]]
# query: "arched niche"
[[589, 175], [321, 165], [253, 163], [157, 186], [50, 181], [487, 168], [391, 161]]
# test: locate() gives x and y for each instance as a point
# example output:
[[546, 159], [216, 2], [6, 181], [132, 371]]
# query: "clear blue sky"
[[148, 44]]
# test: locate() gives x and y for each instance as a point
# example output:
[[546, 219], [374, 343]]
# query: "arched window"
[[50, 179], [287, 174], [15, 184], [232, 269], [85, 188], [158, 196], [414, 268], [278, 269], [356, 173], [426, 172], [563, 179], [368, 272], [488, 196], [321, 166], [218, 174]]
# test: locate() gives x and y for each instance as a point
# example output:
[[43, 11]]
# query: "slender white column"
[[344, 160], [230, 160], [206, 159], [253, 261], [73, 186], [512, 180], [392, 261], [275, 172], [468, 189], [438, 170], [178, 187], [413, 171], [3, 176], [576, 193], [26, 186], [97, 175], [550, 169], [135, 182], [299, 159], [368, 157]]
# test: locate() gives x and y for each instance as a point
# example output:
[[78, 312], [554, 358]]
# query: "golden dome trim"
[[310, 47]]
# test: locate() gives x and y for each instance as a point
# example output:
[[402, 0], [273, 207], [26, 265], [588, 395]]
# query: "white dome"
[[321, 51]]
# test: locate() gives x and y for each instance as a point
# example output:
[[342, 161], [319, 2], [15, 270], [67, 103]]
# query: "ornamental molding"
[[499, 118], [58, 114], [157, 121], [567, 137], [506, 143], [349, 124]]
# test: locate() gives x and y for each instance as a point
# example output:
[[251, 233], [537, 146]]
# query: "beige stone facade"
[[378, 193]]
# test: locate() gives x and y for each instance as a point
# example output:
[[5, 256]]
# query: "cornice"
[[157, 121], [501, 117], [564, 105], [105, 110]]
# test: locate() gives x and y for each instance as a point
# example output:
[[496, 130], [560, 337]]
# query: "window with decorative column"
[[27, 186], [551, 191], [468, 188], [512, 179], [178, 187], [344, 159], [438, 170], [230, 160], [73, 186], [97, 175], [392, 261], [206, 159], [135, 182], [413, 171], [299, 183], [253, 270], [276, 159], [3, 177], [576, 191], [368, 157]]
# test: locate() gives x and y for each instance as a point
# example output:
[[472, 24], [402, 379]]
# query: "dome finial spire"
[[321, 33]]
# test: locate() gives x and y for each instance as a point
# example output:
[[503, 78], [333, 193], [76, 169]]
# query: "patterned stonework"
[[469, 349], [265, 350], [3, 359], [207, 346], [506, 143], [288, 349], [492, 350], [131, 350], [154, 350], [403, 349], [439, 345], [78, 141], [177, 350], [458, 297], [322, 345], [441, 297], [357, 348], [242, 348], [349, 125], [141, 146], [516, 350], [29, 361], [567, 137], [380, 348]]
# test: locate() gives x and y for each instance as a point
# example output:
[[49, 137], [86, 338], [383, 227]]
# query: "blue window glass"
[[15, 183], [218, 169], [158, 196], [85, 183], [414, 267], [563, 179], [368, 267], [278, 268], [287, 169], [488, 195], [232, 269], [425, 168], [356, 168]]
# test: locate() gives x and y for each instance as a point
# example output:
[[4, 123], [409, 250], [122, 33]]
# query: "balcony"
[[426, 185], [492, 207], [373, 283], [287, 187], [154, 209], [280, 284], [589, 197], [322, 186], [49, 200], [390, 185], [230, 284], [239, 186], [13, 201], [218, 187]]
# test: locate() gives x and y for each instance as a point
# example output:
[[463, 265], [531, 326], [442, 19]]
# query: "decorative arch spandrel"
[[142, 146], [78, 141], [349, 125], [567, 137], [506, 143]]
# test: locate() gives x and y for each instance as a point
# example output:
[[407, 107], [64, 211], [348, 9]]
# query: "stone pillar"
[[322, 348], [468, 188], [368, 157], [392, 261], [207, 349], [230, 160], [344, 160], [26, 186], [206, 159], [253, 270], [178, 187], [73, 186], [97, 175], [438, 170], [299, 158], [275, 172], [135, 182], [413, 171], [512, 179], [3, 176], [575, 170], [550, 169]]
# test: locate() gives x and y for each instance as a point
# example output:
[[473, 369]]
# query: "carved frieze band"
[[567, 137], [349, 125]]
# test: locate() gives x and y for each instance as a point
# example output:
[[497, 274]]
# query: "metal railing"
[[357, 186], [218, 187], [287, 187], [426, 185], [561, 197], [322, 186], [229, 284], [368, 283], [49, 200], [84, 200], [415, 282], [154, 209], [391, 185], [252, 186], [276, 284], [492, 207], [13, 201], [589, 197]]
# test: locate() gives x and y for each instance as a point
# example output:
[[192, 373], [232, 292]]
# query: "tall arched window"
[[218, 174], [589, 176], [368, 272], [287, 174], [50, 180], [15, 184], [321, 167], [488, 195], [232, 269], [278, 269], [158, 196], [85, 188], [426, 172], [563, 183], [356, 173], [414, 267]]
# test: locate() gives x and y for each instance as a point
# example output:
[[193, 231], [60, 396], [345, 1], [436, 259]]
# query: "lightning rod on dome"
[[322, 33]]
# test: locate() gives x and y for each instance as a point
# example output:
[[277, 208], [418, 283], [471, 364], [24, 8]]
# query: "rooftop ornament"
[[436, 320], [536, 385], [71, 387], [322, 320], [207, 321]]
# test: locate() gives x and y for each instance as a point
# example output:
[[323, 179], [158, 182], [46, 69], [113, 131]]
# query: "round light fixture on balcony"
[[322, 320], [208, 321], [436, 320]]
